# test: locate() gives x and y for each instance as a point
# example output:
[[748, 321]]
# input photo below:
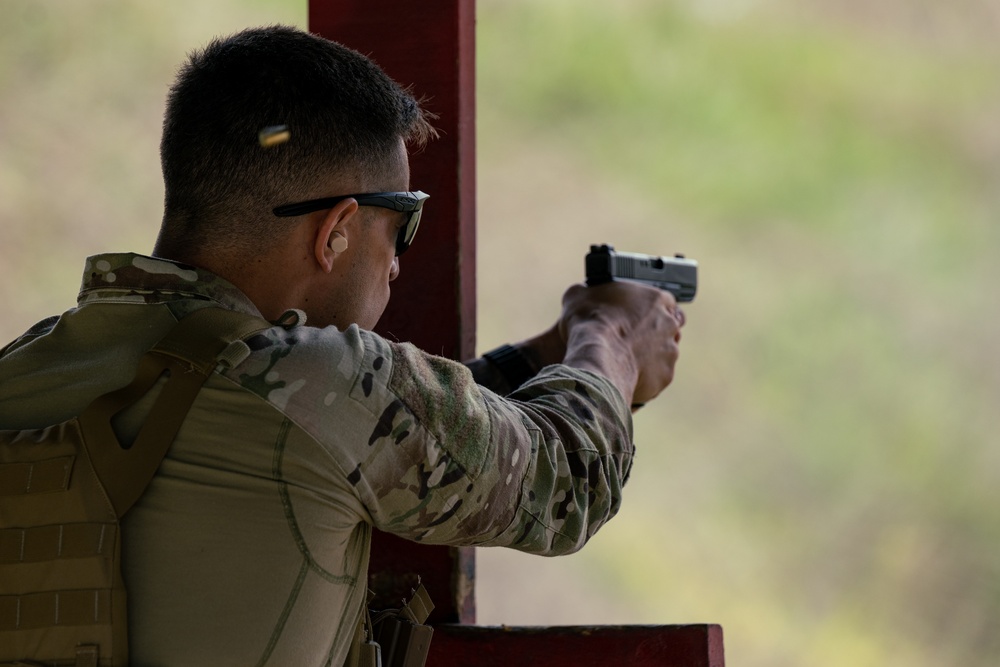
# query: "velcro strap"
[[52, 608], [36, 476], [68, 540], [187, 356]]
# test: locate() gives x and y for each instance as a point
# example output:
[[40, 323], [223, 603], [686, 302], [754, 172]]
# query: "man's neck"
[[269, 280]]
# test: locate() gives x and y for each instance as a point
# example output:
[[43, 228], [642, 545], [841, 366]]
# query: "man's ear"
[[332, 237]]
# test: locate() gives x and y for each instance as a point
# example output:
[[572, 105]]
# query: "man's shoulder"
[[307, 371]]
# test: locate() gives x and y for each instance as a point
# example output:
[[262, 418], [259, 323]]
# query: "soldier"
[[251, 542]]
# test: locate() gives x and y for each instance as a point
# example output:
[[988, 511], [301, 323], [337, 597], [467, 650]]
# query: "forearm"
[[593, 345], [540, 471], [596, 347], [581, 455]]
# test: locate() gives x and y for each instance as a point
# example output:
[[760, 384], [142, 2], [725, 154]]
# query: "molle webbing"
[[395, 637], [63, 490]]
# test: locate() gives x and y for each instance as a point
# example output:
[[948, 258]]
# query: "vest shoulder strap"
[[187, 356]]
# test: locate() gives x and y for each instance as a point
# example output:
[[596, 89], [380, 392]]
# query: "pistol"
[[677, 275]]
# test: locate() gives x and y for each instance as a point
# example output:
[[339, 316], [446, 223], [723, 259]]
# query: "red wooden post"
[[431, 47]]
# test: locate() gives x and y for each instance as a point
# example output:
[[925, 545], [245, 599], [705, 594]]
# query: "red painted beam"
[[578, 646], [430, 47]]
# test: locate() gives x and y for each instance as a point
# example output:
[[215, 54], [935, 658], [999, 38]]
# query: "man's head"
[[345, 119], [348, 126]]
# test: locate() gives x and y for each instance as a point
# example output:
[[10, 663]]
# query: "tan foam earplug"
[[338, 242]]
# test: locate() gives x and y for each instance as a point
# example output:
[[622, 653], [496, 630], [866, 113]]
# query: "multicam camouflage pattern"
[[289, 456], [131, 278]]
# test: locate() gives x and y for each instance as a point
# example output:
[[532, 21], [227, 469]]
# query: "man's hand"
[[624, 331], [627, 332]]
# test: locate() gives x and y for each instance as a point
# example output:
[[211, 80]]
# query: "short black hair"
[[344, 115]]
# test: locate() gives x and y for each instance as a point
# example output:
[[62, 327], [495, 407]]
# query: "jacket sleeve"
[[453, 463]]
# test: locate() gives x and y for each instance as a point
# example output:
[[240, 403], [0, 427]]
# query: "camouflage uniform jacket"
[[250, 546]]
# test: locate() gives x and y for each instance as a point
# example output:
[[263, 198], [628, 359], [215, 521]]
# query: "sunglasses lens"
[[407, 233]]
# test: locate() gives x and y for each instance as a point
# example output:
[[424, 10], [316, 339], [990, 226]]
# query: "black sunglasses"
[[404, 202]]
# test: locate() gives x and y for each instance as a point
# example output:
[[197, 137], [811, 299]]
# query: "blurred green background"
[[821, 478]]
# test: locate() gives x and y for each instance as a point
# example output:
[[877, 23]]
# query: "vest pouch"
[[62, 597]]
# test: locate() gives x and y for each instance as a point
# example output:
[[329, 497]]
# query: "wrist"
[[600, 347]]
